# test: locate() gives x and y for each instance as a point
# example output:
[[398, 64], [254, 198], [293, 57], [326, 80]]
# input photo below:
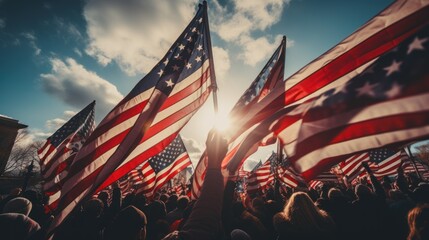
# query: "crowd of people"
[[370, 210]]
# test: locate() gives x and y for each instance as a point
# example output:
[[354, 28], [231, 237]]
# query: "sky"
[[58, 56]]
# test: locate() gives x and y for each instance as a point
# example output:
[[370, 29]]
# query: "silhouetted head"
[[18, 205], [93, 208], [130, 223]]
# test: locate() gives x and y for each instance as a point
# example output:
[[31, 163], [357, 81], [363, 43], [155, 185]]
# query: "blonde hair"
[[418, 222], [301, 212]]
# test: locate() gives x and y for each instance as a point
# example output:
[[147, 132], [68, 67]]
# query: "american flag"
[[287, 177], [242, 173], [261, 177], [408, 166], [163, 167], [387, 160], [384, 105], [328, 74], [59, 150], [315, 184], [327, 177], [270, 77], [147, 119], [178, 189], [352, 166]]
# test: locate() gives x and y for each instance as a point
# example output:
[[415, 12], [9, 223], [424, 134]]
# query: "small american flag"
[[59, 150], [164, 166], [261, 177]]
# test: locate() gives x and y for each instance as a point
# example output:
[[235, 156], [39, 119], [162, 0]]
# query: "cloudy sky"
[[58, 56]]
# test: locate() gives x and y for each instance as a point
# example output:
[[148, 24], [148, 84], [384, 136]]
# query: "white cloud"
[[67, 29], [78, 52], [195, 150], [32, 41], [76, 86], [69, 114], [256, 50], [221, 61], [54, 124], [237, 25], [246, 17], [2, 23], [134, 34]]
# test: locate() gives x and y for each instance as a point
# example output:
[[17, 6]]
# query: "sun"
[[221, 122]]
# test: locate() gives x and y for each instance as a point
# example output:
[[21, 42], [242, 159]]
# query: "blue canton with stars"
[[258, 84], [168, 155], [380, 155], [185, 57], [83, 120], [396, 74]]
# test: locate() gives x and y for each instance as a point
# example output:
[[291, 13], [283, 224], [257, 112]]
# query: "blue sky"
[[58, 56]]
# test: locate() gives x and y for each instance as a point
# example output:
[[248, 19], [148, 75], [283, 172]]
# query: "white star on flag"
[[394, 91], [367, 89], [169, 83], [394, 67], [160, 72], [417, 44]]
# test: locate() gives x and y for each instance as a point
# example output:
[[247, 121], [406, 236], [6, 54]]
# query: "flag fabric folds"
[[163, 167], [325, 77], [383, 105], [148, 119], [389, 164], [270, 77], [59, 150], [261, 177]]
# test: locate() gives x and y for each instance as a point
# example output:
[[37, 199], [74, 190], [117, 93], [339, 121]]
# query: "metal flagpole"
[[413, 162], [212, 70]]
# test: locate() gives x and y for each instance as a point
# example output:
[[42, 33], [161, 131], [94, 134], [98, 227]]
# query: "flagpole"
[[213, 85], [413, 162], [279, 161]]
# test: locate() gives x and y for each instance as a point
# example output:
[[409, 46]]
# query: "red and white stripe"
[[154, 181], [334, 68], [260, 178], [352, 166], [389, 166], [315, 184], [287, 177], [187, 96]]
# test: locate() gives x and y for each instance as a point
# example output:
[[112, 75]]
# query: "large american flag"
[[147, 119], [329, 73], [270, 77], [384, 105], [163, 167], [59, 150]]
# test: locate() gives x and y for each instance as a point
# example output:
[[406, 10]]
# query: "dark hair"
[[182, 202], [126, 225]]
